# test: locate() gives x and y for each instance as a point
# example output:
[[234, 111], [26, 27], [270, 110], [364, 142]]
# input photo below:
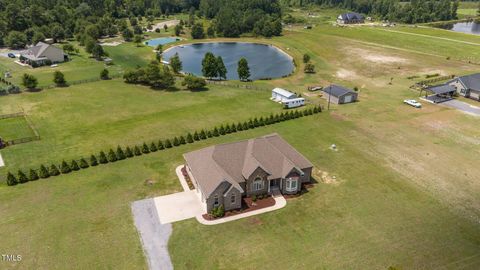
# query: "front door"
[[274, 183]]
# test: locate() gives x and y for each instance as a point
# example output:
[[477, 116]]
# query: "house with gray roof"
[[224, 174], [339, 95], [467, 86], [350, 18], [42, 54]]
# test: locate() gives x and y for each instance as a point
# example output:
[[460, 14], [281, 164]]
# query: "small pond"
[[463, 27], [265, 61], [160, 41]]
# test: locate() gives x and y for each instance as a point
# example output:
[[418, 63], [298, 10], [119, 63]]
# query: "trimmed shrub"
[[261, 121], [153, 147], [209, 134], [145, 149], [111, 156], [218, 211], [65, 168], [120, 153], [93, 161], [203, 135], [33, 175], [137, 151], [160, 145], [233, 128], [176, 141], [128, 152], [251, 124], [196, 137], [83, 163], [11, 179], [255, 122], [54, 170], [74, 165], [239, 127], [22, 177], [215, 132], [245, 126], [102, 158], [168, 144], [182, 140], [189, 138], [44, 172], [221, 130]]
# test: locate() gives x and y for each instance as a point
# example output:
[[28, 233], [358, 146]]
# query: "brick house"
[[224, 174]]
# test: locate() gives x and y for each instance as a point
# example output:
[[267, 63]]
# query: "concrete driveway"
[[178, 206], [463, 107]]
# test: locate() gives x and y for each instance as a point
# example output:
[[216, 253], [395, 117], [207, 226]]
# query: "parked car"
[[413, 103], [11, 55]]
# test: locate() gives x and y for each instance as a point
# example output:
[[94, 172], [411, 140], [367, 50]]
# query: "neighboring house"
[[467, 86], [42, 54], [339, 94], [350, 18], [279, 95], [223, 174]]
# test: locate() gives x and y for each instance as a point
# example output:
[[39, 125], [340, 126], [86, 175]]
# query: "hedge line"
[[121, 153]]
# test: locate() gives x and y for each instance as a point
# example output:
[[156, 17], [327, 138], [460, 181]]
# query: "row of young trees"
[[30, 82], [121, 153]]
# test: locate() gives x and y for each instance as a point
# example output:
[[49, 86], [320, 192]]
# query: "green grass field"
[[15, 128], [406, 193]]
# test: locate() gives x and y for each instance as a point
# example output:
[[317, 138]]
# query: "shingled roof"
[[350, 16], [234, 162], [471, 81], [337, 91]]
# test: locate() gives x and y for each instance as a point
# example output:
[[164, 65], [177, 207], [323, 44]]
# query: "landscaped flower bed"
[[247, 205], [187, 178]]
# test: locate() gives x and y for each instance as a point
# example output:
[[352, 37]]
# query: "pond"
[[463, 27], [164, 40], [265, 61]]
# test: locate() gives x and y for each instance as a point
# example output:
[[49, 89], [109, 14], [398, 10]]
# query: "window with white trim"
[[292, 184], [233, 198], [215, 200], [257, 184]]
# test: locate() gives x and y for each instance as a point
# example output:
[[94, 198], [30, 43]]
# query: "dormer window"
[[257, 184]]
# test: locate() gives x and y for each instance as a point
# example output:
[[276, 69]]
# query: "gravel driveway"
[[463, 107], [153, 235]]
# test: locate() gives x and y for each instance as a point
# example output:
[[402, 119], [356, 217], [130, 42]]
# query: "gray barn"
[[339, 94]]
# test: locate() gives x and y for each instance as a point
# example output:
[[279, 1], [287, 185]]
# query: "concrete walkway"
[[183, 182], [1, 161], [463, 107], [280, 202], [153, 235]]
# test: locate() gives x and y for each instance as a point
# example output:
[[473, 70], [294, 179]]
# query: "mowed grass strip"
[[15, 128]]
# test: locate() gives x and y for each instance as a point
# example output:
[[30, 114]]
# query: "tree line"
[[414, 11], [27, 22]]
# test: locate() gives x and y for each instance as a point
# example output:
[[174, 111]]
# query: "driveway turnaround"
[[178, 206], [1, 161], [153, 235], [463, 107]]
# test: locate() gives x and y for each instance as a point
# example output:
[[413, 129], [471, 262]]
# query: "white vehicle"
[[293, 103], [413, 103]]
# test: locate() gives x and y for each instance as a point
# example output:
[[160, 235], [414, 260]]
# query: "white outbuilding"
[[280, 95]]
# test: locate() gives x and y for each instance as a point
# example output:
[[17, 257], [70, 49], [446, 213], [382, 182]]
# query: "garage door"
[[347, 99]]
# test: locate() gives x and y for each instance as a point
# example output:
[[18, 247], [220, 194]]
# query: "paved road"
[[463, 107], [154, 236]]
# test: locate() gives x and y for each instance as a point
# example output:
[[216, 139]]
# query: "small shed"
[[339, 94], [280, 95]]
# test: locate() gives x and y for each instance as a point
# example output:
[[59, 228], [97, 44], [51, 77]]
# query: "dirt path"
[[434, 37]]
